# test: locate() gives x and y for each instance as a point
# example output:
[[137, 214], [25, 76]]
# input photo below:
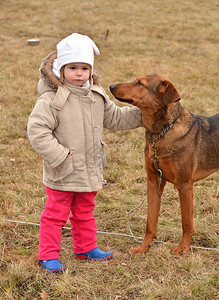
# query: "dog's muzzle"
[[112, 87]]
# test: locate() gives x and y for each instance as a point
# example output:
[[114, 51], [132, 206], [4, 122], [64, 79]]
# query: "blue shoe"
[[52, 265], [95, 254]]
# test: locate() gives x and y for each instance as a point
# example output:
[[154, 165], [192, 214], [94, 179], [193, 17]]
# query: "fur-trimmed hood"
[[48, 80]]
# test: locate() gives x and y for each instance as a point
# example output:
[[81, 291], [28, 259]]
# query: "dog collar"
[[163, 131]]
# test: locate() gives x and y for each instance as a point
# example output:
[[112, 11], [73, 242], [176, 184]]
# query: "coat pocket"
[[61, 171]]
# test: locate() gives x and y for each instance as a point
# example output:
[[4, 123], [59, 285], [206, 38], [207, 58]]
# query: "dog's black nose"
[[112, 87]]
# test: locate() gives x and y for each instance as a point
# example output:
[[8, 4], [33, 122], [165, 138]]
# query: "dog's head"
[[146, 92]]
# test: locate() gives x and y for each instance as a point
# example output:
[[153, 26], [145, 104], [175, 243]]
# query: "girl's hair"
[[62, 78], [62, 75]]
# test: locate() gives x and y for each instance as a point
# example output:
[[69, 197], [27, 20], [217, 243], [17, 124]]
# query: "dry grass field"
[[177, 39]]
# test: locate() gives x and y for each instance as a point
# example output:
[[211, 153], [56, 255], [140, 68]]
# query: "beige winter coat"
[[65, 128]]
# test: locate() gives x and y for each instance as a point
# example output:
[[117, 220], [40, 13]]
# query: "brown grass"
[[177, 39]]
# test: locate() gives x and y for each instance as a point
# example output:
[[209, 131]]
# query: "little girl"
[[65, 128]]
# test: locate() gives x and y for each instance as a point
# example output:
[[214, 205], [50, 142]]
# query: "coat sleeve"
[[121, 118], [40, 127]]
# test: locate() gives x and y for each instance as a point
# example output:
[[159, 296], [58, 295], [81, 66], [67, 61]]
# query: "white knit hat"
[[75, 48]]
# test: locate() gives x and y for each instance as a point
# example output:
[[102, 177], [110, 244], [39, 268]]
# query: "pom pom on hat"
[[75, 48]]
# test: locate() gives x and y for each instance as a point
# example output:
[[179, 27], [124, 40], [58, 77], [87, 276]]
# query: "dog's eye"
[[139, 83]]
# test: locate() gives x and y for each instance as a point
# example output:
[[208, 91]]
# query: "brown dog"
[[181, 148]]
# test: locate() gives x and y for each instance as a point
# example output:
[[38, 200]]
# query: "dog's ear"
[[170, 94]]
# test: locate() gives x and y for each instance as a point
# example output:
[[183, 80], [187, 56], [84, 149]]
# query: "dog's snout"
[[112, 87]]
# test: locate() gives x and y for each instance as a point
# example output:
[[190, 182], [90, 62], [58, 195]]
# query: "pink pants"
[[58, 206]]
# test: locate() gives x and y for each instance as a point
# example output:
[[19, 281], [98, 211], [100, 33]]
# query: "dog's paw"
[[139, 250], [180, 250], [134, 251]]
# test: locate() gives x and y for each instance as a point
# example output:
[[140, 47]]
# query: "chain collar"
[[163, 131], [153, 141]]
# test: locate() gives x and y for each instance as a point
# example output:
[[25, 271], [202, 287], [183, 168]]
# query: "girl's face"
[[77, 73]]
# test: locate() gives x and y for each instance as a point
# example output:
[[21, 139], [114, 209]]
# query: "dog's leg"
[[154, 201], [186, 203]]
